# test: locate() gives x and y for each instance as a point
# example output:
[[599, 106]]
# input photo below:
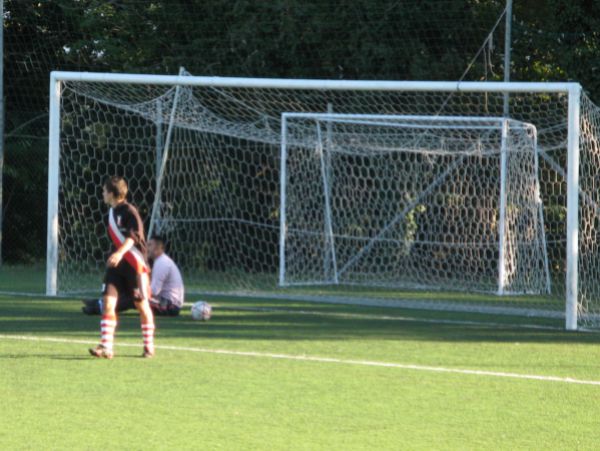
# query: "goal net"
[[420, 204], [409, 201]]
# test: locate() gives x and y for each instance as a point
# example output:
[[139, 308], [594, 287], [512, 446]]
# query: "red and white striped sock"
[[148, 335], [107, 328]]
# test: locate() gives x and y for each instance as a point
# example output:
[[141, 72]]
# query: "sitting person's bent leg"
[[94, 306], [164, 307]]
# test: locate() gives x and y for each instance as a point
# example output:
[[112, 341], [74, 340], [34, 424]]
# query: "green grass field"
[[271, 374]]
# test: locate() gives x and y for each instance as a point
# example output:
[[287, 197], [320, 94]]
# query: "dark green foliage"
[[351, 39]]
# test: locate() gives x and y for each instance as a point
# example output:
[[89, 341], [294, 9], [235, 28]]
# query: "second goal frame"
[[425, 123]]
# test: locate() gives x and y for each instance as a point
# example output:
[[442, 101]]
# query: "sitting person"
[[166, 284]]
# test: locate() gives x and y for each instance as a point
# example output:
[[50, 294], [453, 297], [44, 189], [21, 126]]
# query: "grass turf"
[[31, 279], [54, 396]]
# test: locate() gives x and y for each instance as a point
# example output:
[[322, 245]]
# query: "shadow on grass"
[[43, 356], [60, 317], [81, 356]]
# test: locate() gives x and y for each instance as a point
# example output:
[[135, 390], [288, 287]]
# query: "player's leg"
[[147, 323], [108, 323], [142, 304]]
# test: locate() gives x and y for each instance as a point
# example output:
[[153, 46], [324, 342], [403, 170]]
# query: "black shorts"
[[163, 307], [160, 306], [122, 281]]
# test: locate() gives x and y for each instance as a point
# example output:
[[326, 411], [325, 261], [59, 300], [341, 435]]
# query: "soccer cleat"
[[101, 352], [148, 354]]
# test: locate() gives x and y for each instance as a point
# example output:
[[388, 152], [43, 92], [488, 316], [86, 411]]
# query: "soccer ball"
[[201, 311]]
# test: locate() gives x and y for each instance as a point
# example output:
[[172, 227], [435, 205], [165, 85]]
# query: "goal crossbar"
[[333, 85]]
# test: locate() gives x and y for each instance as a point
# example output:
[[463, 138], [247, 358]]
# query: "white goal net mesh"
[[216, 151]]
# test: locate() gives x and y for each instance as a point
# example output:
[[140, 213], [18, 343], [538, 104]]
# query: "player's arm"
[[117, 256]]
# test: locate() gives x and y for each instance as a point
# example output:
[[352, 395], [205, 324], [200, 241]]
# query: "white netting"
[[408, 202], [219, 202]]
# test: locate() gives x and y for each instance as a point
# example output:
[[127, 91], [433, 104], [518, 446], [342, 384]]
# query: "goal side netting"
[[412, 205]]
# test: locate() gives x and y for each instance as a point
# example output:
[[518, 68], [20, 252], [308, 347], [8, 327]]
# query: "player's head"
[[114, 190], [156, 246]]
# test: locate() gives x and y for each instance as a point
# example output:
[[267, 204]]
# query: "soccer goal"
[[337, 189], [412, 201]]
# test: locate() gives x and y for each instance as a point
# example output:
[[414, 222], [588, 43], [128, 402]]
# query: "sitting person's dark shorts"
[[160, 306]]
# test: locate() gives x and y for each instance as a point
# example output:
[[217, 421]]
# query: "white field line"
[[307, 358], [378, 317]]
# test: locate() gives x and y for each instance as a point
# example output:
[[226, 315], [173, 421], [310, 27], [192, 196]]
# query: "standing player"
[[166, 284], [126, 269]]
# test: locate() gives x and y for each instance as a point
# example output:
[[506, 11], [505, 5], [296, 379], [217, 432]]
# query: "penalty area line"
[[308, 358]]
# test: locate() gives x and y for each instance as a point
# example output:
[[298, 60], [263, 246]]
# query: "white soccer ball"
[[201, 311]]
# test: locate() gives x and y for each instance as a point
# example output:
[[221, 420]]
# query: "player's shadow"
[[73, 357], [38, 356], [70, 357]]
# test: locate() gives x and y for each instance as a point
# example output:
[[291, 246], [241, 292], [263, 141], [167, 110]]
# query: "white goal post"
[[102, 123]]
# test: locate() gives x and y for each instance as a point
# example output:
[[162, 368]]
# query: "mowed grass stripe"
[[379, 317], [308, 358]]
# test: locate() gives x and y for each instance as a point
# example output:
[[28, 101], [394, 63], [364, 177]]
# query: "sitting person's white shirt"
[[167, 283]]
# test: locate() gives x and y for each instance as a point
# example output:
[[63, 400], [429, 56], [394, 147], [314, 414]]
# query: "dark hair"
[[117, 186], [159, 239]]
